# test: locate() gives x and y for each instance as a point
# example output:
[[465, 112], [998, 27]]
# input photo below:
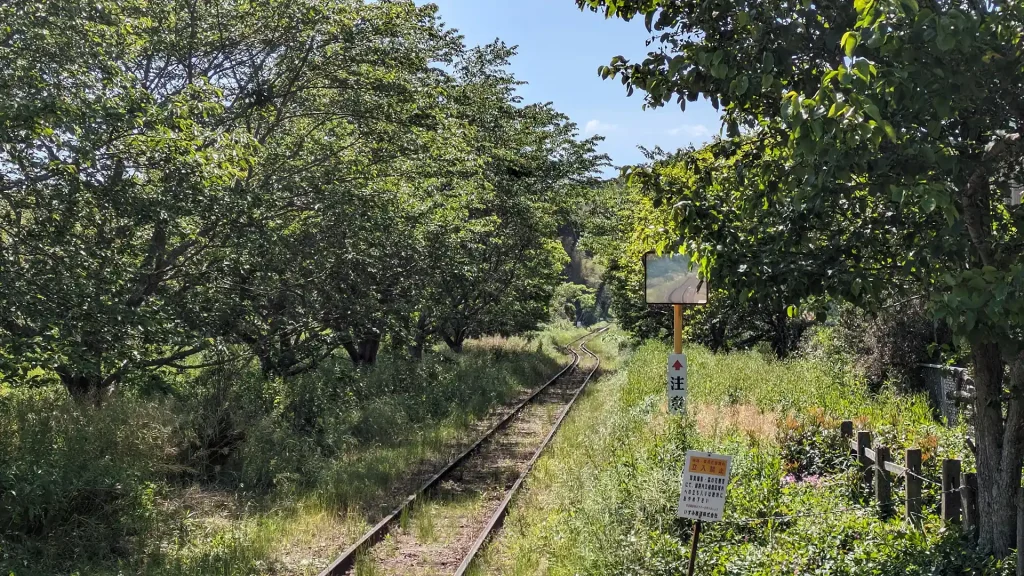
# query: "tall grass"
[[229, 473], [602, 501]]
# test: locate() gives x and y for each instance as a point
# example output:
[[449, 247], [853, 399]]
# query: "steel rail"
[[498, 518], [347, 560]]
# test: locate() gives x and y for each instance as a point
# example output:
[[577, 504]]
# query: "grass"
[[424, 527], [229, 473], [602, 501]]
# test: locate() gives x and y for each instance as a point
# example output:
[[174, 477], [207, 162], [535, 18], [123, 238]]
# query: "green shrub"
[[887, 347], [812, 446], [99, 489], [78, 476]]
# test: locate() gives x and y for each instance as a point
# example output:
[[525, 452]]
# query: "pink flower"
[[813, 479]]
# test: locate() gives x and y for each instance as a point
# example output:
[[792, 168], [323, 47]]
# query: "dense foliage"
[[881, 138], [626, 223], [283, 179]]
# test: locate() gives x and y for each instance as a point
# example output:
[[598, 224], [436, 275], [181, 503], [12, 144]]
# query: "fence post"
[[913, 509], [846, 429], [969, 501], [883, 487], [950, 490], [863, 442]]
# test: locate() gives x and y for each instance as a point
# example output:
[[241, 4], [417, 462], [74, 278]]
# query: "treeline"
[[627, 220], [188, 181]]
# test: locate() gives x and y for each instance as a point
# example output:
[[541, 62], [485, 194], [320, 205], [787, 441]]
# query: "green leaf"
[[928, 204], [766, 81], [768, 61], [720, 70], [945, 38], [675, 64], [791, 311], [897, 194], [742, 83], [873, 112], [889, 130], [849, 43]]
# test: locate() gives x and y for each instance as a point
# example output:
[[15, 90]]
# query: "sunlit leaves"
[[885, 137], [849, 43], [290, 177]]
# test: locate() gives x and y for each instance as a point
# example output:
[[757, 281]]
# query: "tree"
[[573, 301], [175, 176], [498, 257], [882, 138], [627, 224], [118, 194], [281, 178], [354, 129]]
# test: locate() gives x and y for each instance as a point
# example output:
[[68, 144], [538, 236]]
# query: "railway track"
[[478, 485]]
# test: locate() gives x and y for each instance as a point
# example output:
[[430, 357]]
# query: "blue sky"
[[560, 49]]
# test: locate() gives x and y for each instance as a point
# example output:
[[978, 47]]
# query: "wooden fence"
[[959, 490]]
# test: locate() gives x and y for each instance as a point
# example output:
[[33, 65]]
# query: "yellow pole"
[[678, 327]]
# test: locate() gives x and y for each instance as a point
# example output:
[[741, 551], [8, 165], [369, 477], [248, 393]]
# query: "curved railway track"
[[477, 468]]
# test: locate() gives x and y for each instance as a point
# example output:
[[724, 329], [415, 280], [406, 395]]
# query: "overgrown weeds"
[[230, 473], [603, 500]]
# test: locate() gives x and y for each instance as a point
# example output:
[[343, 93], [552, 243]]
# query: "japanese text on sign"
[[677, 383], [705, 478]]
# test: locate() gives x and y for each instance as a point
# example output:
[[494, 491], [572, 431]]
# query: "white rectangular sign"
[[677, 383], [705, 477]]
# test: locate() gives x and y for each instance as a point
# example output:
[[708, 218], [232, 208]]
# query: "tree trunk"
[[716, 335], [1020, 533], [416, 350], [277, 358], [363, 352], [419, 342], [998, 449], [456, 341], [368, 350], [82, 387], [780, 335]]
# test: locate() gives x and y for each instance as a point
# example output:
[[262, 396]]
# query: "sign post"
[[674, 279], [702, 493], [693, 548], [677, 365], [677, 383], [677, 328]]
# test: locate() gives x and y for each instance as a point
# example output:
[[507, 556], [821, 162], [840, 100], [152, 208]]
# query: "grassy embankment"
[[226, 472], [603, 499]]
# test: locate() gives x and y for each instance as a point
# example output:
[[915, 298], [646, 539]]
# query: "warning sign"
[[677, 383], [705, 477]]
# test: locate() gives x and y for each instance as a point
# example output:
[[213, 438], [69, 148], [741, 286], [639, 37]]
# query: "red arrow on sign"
[[678, 365]]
